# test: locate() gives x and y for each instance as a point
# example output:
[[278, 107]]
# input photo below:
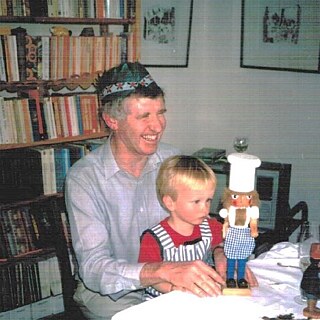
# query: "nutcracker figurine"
[[240, 212], [310, 283]]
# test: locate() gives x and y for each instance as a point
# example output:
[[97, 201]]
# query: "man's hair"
[[186, 170], [126, 80]]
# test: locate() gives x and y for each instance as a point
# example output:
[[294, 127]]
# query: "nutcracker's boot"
[[311, 311]]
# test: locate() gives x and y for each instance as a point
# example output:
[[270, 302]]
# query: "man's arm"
[[194, 276]]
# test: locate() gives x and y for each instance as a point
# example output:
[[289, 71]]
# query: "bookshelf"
[[49, 118]]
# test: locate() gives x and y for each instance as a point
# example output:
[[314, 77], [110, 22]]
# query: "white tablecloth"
[[278, 287]]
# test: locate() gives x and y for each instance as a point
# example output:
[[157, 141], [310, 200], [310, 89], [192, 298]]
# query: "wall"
[[213, 100]]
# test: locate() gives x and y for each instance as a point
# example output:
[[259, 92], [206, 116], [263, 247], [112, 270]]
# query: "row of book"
[[27, 282], [26, 173], [25, 57], [30, 229], [117, 9], [26, 120]]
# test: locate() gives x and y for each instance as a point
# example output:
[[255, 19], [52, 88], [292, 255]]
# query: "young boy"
[[185, 187]]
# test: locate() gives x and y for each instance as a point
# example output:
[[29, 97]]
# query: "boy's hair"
[[123, 81], [187, 170]]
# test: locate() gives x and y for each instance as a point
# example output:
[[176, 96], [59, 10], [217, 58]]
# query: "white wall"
[[213, 100]]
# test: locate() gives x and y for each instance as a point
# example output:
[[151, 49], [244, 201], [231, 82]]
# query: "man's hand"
[[194, 276]]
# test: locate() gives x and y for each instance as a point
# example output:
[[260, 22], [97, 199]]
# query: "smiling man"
[[111, 199]]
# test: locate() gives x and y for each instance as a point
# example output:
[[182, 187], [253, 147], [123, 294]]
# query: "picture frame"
[[165, 32], [280, 35]]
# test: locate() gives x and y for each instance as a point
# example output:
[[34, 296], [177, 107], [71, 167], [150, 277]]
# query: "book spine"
[[3, 70], [30, 232], [45, 58], [12, 249], [31, 48], [34, 119], [38, 8], [20, 34], [34, 94], [27, 120]]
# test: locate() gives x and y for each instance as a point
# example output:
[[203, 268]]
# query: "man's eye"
[[234, 196], [249, 196], [163, 111]]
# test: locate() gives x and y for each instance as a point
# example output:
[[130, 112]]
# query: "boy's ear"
[[112, 123], [168, 202]]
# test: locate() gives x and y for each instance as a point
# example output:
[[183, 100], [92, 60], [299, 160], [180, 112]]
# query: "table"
[[279, 279]]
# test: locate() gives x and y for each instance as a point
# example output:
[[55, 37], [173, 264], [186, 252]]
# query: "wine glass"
[[240, 144]]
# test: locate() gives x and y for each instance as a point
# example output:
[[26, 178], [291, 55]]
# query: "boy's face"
[[192, 206]]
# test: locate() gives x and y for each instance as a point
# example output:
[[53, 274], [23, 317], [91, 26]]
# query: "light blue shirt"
[[108, 211]]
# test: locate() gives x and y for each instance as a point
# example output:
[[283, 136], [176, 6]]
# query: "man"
[[111, 199]]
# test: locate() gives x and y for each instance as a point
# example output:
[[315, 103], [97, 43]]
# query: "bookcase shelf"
[[48, 209], [66, 20], [98, 135], [84, 81]]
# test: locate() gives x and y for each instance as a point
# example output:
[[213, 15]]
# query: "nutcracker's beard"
[[240, 217]]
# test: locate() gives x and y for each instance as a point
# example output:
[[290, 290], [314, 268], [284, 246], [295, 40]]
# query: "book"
[[19, 231], [3, 71], [55, 276], [29, 227], [10, 45], [44, 58], [47, 169], [21, 36], [43, 218], [31, 56], [21, 174], [49, 118], [26, 120], [38, 8], [44, 271], [72, 115], [77, 151], [4, 244], [9, 232], [57, 116], [62, 165], [34, 94], [36, 135], [19, 121]]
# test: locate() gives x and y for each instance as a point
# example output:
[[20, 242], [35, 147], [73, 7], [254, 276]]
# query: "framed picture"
[[165, 32], [280, 35]]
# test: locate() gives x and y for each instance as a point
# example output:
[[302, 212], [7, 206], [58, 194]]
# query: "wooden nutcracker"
[[310, 283], [240, 212]]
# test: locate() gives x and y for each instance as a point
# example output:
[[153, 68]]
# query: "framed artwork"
[[165, 32], [280, 35]]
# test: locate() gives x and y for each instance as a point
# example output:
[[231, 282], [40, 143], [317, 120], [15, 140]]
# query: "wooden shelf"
[[54, 141], [65, 20], [83, 81], [35, 255]]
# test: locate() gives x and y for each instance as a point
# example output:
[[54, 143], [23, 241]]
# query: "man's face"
[[143, 127]]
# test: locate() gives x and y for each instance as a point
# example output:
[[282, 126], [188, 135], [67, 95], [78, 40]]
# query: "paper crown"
[[242, 171], [122, 80]]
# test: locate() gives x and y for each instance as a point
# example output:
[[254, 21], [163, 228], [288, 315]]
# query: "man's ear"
[[112, 123], [168, 202]]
